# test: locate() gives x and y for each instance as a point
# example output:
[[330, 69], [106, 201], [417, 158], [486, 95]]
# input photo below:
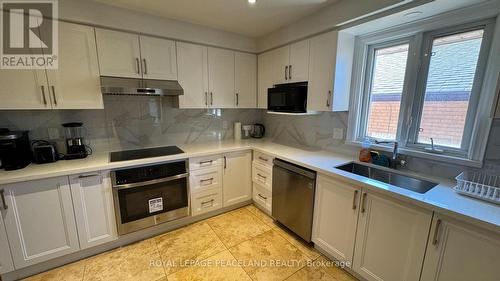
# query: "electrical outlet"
[[338, 133], [53, 133]]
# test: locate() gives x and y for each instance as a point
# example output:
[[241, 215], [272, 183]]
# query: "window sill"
[[425, 155]]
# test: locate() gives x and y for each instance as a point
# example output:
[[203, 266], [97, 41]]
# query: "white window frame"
[[419, 35]]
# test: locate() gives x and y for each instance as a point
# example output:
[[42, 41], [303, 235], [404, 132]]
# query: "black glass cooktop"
[[144, 153]]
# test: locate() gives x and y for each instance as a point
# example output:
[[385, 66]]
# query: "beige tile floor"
[[243, 244]]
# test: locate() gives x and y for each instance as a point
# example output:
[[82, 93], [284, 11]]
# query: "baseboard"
[[120, 242]]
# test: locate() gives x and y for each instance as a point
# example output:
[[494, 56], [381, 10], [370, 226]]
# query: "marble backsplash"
[[129, 122], [316, 132]]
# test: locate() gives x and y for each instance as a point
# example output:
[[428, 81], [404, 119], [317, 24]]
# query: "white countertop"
[[441, 198]]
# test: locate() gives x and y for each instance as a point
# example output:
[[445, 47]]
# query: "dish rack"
[[479, 185]]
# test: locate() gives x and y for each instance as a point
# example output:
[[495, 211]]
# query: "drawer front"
[[204, 179], [205, 162], [263, 158], [263, 197], [262, 175], [206, 201]]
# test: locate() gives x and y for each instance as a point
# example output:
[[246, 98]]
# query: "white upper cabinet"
[[298, 69], [330, 67], [460, 252], [221, 78], [6, 264], [158, 58], [94, 211], [119, 53], [193, 75], [391, 239], [76, 83], [39, 220], [265, 78], [336, 209], [280, 64], [237, 177], [245, 80], [24, 89]]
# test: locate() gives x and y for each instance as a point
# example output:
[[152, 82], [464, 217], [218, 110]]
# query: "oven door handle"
[[143, 183]]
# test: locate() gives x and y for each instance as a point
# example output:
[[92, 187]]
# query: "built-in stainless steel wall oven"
[[148, 195]]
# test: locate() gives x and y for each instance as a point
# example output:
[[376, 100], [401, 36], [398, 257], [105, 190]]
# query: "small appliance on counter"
[[44, 152], [75, 146], [15, 149], [258, 131]]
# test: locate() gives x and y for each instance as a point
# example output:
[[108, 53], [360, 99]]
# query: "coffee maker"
[[75, 146]]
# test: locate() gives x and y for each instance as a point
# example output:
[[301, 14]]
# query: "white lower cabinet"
[[6, 264], [237, 177], [391, 239], [39, 220], [336, 211], [262, 197], [457, 251], [206, 201], [93, 205]]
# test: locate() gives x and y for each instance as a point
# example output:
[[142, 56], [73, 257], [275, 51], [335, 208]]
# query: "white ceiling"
[[230, 15]]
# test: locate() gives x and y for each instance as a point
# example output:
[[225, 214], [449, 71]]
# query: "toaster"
[[44, 152]]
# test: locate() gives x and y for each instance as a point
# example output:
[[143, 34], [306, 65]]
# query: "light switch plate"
[[338, 133], [53, 133]]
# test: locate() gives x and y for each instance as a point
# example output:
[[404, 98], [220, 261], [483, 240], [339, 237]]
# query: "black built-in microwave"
[[290, 98]]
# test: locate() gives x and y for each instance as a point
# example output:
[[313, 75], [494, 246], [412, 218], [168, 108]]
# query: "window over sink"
[[422, 88]]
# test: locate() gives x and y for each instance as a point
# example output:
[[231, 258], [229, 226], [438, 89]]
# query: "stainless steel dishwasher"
[[293, 197]]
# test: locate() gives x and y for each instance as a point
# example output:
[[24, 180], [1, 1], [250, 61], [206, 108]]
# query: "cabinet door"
[[76, 83], [281, 62], [245, 80], [159, 60], [193, 75], [237, 177], [221, 78], [390, 239], [40, 221], [93, 201], [266, 78], [119, 53], [322, 57], [298, 71], [6, 264], [460, 252], [335, 217], [24, 89]]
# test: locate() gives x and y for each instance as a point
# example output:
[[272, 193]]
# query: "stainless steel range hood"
[[139, 87]]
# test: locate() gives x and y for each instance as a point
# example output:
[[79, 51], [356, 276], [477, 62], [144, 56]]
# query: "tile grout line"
[[159, 254]]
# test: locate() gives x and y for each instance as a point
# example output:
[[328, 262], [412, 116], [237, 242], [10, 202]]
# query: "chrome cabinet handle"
[[43, 95], [363, 203], [137, 64], [206, 162], [264, 177], [263, 159], [207, 202], [237, 99], [210, 179], [145, 66], [88, 176], [286, 70], [263, 197], [354, 200], [54, 94], [435, 239], [290, 72], [211, 98], [206, 98], [4, 203], [328, 98], [225, 162]]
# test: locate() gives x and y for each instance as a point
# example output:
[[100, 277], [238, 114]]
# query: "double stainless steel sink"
[[392, 178]]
